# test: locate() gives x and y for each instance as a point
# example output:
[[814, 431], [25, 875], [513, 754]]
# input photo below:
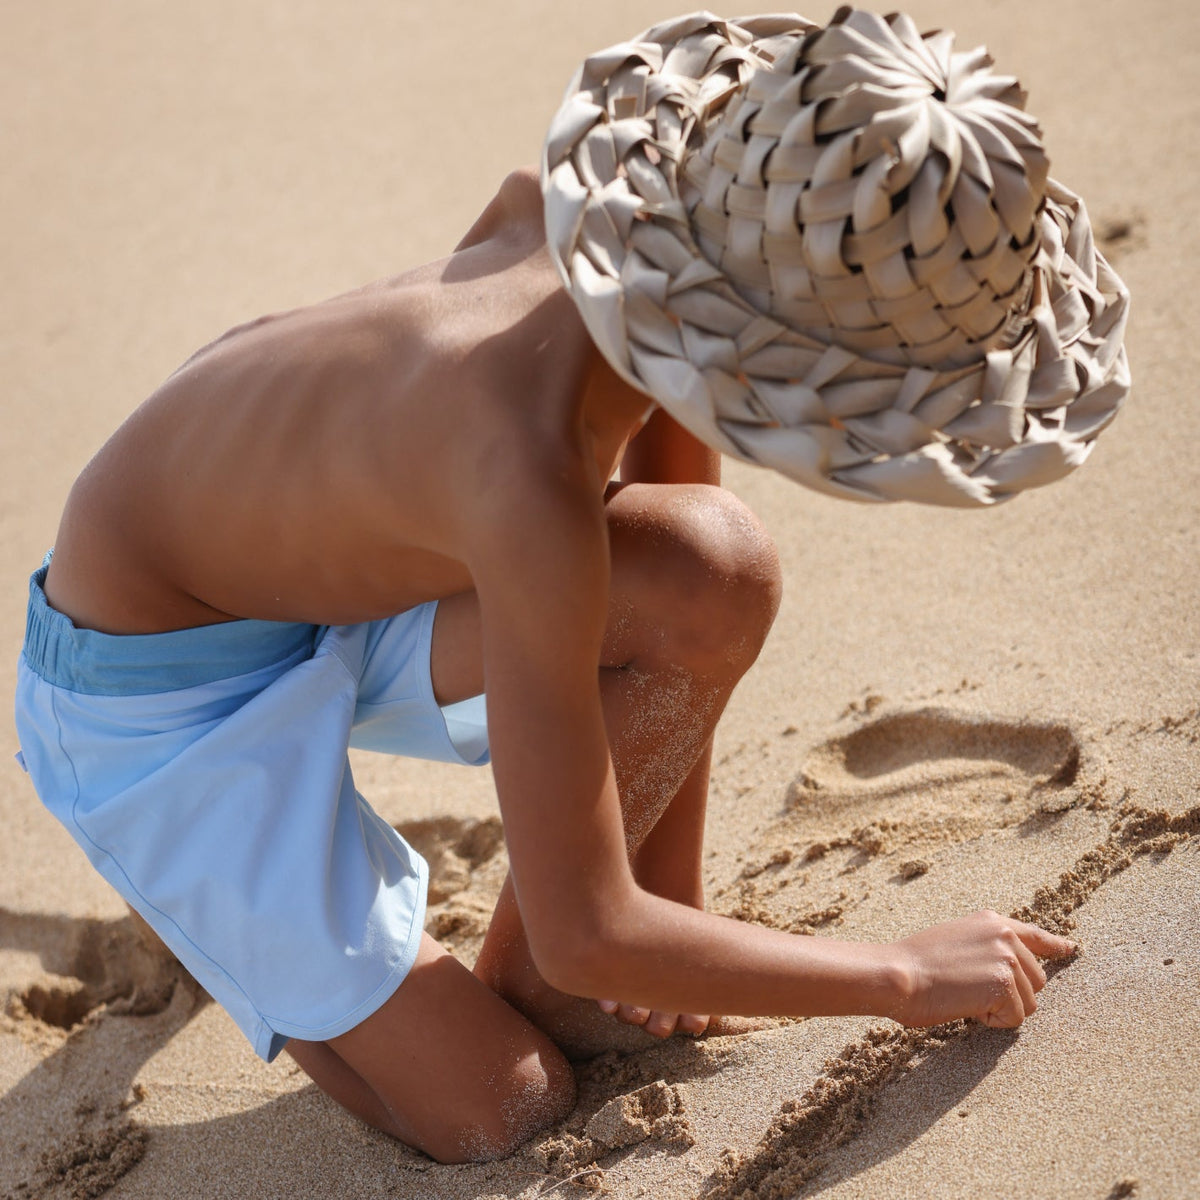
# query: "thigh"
[[446, 1066]]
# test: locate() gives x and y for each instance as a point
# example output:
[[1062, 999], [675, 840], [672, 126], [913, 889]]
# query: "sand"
[[955, 710]]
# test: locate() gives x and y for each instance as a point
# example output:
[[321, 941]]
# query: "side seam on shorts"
[[115, 875]]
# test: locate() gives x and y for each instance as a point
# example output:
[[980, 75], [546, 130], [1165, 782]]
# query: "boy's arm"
[[519, 192], [540, 563], [664, 452]]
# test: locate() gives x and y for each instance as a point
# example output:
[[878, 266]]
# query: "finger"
[[1025, 990], [661, 1025], [691, 1023], [1047, 945], [1030, 966], [608, 1006], [1008, 1009], [633, 1014], [1007, 1015]]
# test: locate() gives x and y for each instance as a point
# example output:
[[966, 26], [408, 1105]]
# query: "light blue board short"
[[204, 772]]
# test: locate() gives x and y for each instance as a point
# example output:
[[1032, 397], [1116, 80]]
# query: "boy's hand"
[[984, 966], [659, 1024]]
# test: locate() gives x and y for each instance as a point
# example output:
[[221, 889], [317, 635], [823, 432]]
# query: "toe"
[[660, 1024]]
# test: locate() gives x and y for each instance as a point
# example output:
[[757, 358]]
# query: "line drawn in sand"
[[806, 1133]]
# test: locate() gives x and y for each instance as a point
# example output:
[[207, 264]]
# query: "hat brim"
[[844, 422]]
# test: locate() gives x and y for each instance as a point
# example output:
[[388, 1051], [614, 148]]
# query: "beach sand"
[[955, 710]]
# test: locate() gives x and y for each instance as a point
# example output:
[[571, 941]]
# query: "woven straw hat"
[[836, 252]]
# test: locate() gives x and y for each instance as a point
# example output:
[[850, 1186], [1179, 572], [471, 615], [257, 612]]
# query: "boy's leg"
[[445, 1065], [695, 586]]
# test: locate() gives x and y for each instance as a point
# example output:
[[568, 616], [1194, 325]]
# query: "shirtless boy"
[[324, 526]]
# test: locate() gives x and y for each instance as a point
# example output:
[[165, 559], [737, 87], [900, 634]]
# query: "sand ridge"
[[100, 973], [806, 1132]]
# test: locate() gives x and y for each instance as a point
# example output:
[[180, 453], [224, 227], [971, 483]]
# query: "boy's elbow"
[[580, 957], [574, 966]]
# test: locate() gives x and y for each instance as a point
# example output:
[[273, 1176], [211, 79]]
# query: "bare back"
[[319, 464]]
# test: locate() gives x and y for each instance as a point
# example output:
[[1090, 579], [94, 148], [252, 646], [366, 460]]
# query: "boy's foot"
[[582, 1029]]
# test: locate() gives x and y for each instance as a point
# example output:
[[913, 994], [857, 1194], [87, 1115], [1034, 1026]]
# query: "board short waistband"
[[106, 664]]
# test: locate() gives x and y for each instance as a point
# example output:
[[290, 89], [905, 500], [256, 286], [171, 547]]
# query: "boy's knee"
[[708, 576], [501, 1116]]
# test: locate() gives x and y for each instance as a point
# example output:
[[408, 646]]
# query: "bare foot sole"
[[581, 1028], [736, 1026], [582, 1031]]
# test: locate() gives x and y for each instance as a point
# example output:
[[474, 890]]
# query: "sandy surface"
[[954, 710]]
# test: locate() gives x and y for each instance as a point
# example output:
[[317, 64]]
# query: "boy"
[[343, 525]]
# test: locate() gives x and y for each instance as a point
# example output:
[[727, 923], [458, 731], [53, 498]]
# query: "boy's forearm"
[[666, 957], [672, 958]]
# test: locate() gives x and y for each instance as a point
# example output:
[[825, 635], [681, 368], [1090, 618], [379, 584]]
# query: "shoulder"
[[536, 518], [519, 198], [515, 214], [521, 193]]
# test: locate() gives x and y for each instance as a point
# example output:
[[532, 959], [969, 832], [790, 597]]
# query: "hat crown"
[[874, 189], [836, 252]]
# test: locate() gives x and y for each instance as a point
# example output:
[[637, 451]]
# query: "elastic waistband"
[[106, 664]]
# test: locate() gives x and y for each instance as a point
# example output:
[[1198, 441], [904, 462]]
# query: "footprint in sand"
[[454, 850], [466, 869], [88, 964], [68, 1128], [1117, 235], [903, 782], [942, 761]]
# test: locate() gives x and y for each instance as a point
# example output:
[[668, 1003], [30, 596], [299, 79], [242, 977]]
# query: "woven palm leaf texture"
[[836, 251]]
